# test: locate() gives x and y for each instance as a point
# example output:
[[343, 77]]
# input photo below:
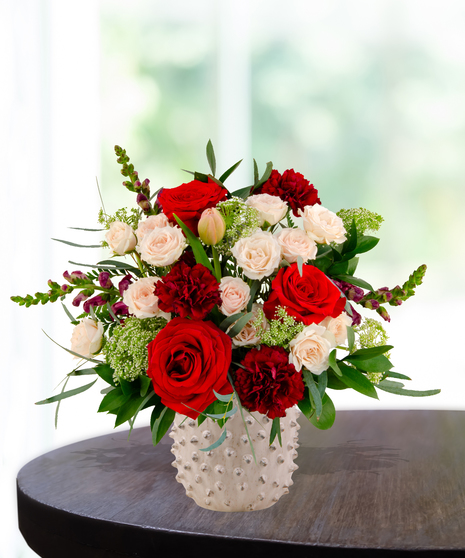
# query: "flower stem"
[[138, 261], [216, 263]]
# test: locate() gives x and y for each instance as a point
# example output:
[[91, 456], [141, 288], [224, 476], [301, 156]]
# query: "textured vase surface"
[[227, 478]]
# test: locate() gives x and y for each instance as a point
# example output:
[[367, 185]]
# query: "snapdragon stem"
[[216, 263]]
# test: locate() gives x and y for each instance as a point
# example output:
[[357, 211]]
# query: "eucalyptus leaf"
[[253, 291], [230, 320], [239, 325], [228, 414], [392, 374], [66, 394], [218, 442], [300, 263], [388, 386], [322, 383], [223, 398]]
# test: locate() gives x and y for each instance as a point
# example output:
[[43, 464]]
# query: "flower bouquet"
[[224, 312]]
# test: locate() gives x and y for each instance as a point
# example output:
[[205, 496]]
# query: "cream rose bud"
[[141, 300], [235, 295], [322, 225], [153, 222], [86, 339], [258, 254], [163, 246], [270, 208], [338, 327], [121, 238], [248, 334], [295, 243], [311, 348]]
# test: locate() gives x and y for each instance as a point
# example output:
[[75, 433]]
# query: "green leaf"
[[339, 268], [357, 381], [59, 403], [334, 382], [328, 415], [218, 442], [161, 424], [230, 320], [228, 173], [255, 172], [350, 337], [68, 313], [376, 364], [83, 372], [89, 230], [351, 242], [353, 263], [242, 192], [313, 389], [78, 245], [127, 410], [201, 176], [266, 175], [305, 406], [300, 263], [117, 263], [129, 388], [364, 354], [224, 398], [333, 362], [141, 406], [145, 383], [106, 390], [105, 371], [322, 383], [392, 374], [239, 325], [72, 352], [112, 400], [226, 415], [365, 244], [276, 431], [66, 394], [253, 291], [354, 281], [392, 387], [211, 157], [108, 267], [157, 410], [199, 252]]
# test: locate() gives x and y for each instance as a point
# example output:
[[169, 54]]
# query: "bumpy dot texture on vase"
[[227, 478]]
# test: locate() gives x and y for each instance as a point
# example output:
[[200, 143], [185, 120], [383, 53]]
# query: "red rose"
[[187, 361], [188, 291], [310, 298], [189, 200], [269, 384], [291, 187]]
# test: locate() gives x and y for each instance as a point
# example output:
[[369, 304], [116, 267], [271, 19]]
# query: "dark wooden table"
[[379, 483]]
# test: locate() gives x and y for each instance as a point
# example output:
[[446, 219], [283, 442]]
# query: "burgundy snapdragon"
[[124, 283], [81, 297], [104, 280], [94, 301], [71, 277]]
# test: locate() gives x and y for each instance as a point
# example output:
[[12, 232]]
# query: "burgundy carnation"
[[189, 200], [269, 384], [291, 187], [188, 291]]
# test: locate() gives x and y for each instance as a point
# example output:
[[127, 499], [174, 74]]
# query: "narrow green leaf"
[[310, 383], [145, 383], [162, 424], [365, 244], [322, 383], [239, 325], [106, 390], [354, 281], [59, 403], [334, 382], [300, 263], [230, 320], [376, 364], [218, 442], [105, 371], [305, 406], [328, 415], [127, 410], [253, 291], [141, 406], [157, 410], [388, 386], [350, 337], [113, 400], [351, 242], [276, 431], [228, 173], [242, 192], [364, 354], [352, 266], [89, 230], [103, 266], [72, 352], [201, 176], [211, 157], [357, 381], [255, 172], [77, 245], [266, 175], [66, 394], [117, 263], [68, 313], [392, 374], [199, 252], [83, 372], [189, 172], [224, 398], [239, 404], [333, 362]]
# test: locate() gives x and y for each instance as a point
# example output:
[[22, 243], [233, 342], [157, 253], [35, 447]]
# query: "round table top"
[[379, 483]]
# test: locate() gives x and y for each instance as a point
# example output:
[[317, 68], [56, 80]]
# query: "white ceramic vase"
[[227, 477]]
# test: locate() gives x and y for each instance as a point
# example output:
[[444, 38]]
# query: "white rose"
[[249, 335], [152, 222], [163, 246], [86, 339], [258, 254], [311, 348], [322, 225], [235, 295], [120, 238], [338, 327], [295, 243], [141, 300], [270, 208]]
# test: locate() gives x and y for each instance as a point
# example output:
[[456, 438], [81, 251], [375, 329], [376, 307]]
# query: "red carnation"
[[189, 200], [310, 298], [269, 384], [291, 187], [188, 291], [187, 361]]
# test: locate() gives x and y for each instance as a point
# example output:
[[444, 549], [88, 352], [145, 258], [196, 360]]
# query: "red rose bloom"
[[187, 361], [189, 200], [269, 384], [291, 187], [188, 291], [310, 298]]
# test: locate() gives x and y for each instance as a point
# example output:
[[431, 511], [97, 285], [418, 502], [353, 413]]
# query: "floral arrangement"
[[222, 303]]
